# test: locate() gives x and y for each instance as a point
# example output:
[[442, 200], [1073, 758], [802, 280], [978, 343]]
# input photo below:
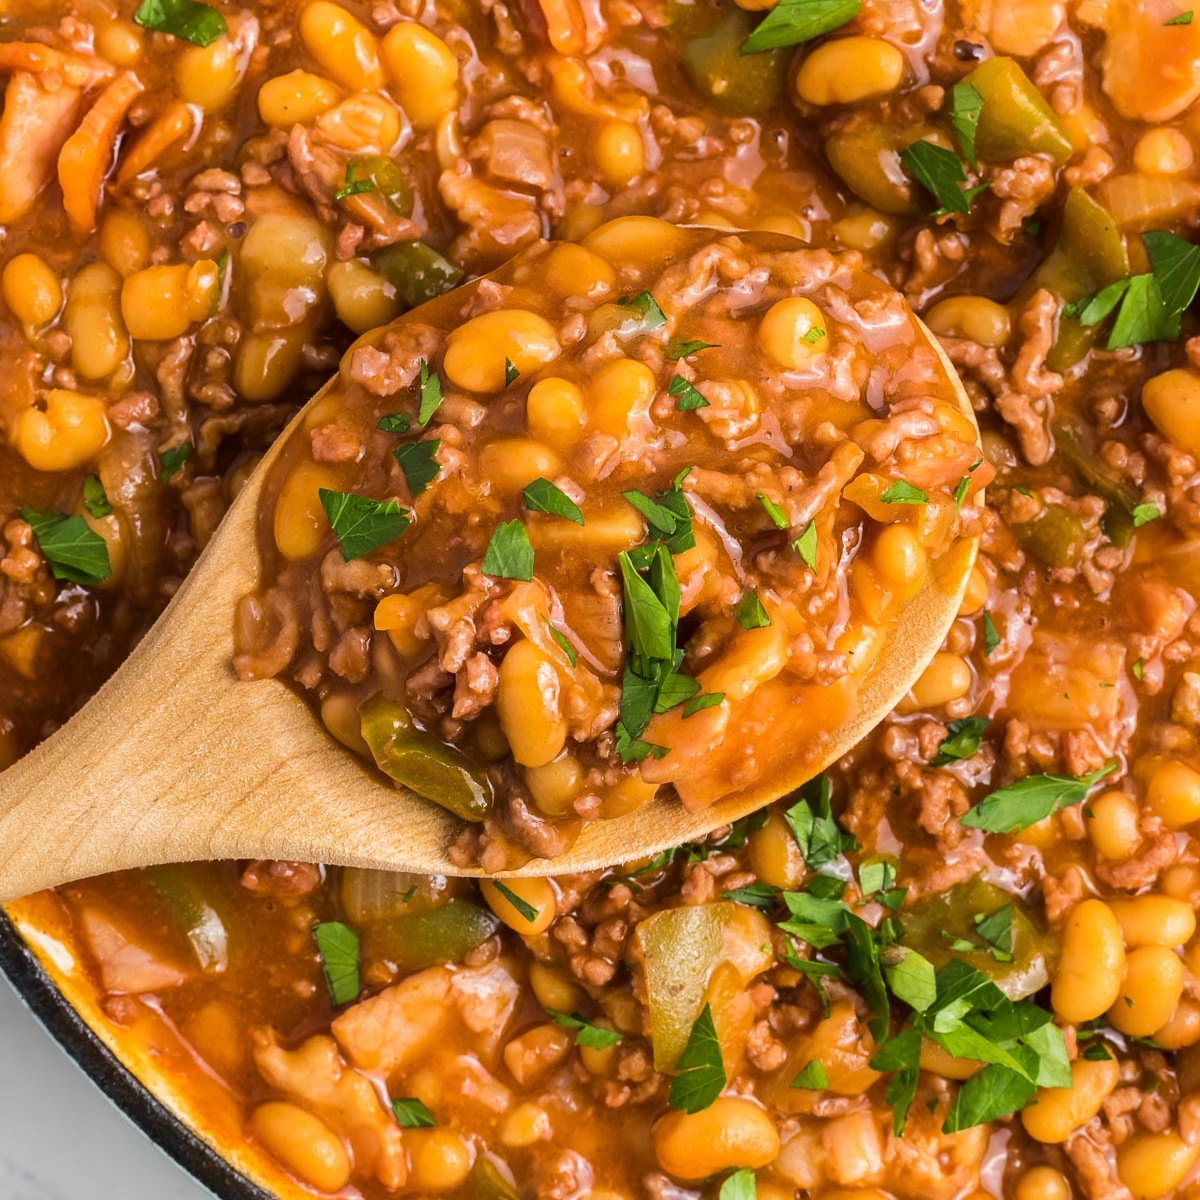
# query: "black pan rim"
[[52, 1011]]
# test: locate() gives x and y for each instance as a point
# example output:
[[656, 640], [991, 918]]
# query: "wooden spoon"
[[175, 760]]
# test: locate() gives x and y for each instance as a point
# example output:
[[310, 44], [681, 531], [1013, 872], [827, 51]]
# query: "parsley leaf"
[[646, 307], [95, 499], [564, 645], [962, 740], [940, 172], [1138, 669], [586, 1034], [806, 545], [511, 374], [543, 496], [996, 929], [648, 623], [966, 107], [173, 459], [777, 515], [396, 422], [1030, 800], [791, 22], [702, 701], [756, 895], [991, 637], [418, 462], [72, 549], [337, 945], [913, 980], [1183, 18], [522, 906], [195, 23], [820, 838], [431, 394], [961, 488], [739, 1186], [702, 1070], [687, 396], [902, 492], [412, 1113], [750, 612], [1143, 514], [678, 348], [352, 186], [995, 1092], [510, 553], [812, 1076], [362, 524]]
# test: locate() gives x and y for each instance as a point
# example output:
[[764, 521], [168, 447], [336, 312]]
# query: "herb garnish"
[[543, 496], [702, 701], [941, 173], [509, 554], [991, 637], [74, 552], [419, 463], [511, 374], [669, 518], [1148, 307], [750, 612], [820, 838], [352, 186], [412, 1113], [1183, 18], [362, 524], [966, 107], [961, 741], [812, 1076], [173, 459], [1138, 669], [396, 422], [431, 394], [337, 945], [95, 499], [1029, 800], [687, 397], [902, 492], [596, 1037], [565, 646], [195, 23], [646, 307], [522, 906], [791, 22], [702, 1070], [1143, 514], [806, 545], [778, 516], [678, 348], [740, 1185]]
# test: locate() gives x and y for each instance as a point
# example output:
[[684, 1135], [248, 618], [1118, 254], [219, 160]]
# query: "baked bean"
[[866, 231], [529, 704], [344, 47], [440, 1158], [848, 69], [477, 351], [67, 432], [1153, 1165], [1163, 151], [899, 558], [1149, 992], [553, 989], [300, 523], [1182, 1027], [620, 391], [423, 73], [1172, 401], [576, 271], [976, 596], [946, 678], [556, 785], [1113, 825], [620, 154], [1042, 1183], [526, 1125], [975, 317], [1153, 920], [124, 241], [1058, 1112], [208, 76], [633, 237], [31, 290], [1173, 794], [793, 332], [510, 464], [296, 98], [536, 892], [731, 1132], [775, 854], [363, 299], [555, 412], [1092, 963], [159, 303], [92, 317], [303, 1143]]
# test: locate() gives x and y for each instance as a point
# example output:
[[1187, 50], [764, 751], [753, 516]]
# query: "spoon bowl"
[[176, 760]]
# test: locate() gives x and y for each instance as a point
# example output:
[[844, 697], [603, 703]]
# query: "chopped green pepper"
[[947, 925], [421, 762], [1118, 517], [491, 1180], [417, 271], [189, 903], [414, 941], [867, 157], [1015, 118], [1055, 536], [731, 82], [378, 173]]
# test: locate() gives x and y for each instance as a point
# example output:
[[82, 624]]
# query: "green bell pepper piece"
[[1015, 118]]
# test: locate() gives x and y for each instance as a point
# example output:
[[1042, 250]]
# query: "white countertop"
[[60, 1138]]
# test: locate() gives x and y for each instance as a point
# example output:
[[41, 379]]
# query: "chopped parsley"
[[526, 909], [1030, 800], [1143, 514], [813, 336], [902, 492], [431, 394], [396, 422], [1183, 18], [740, 1185], [74, 551], [1148, 307], [669, 519], [173, 459], [511, 374], [773, 510], [678, 348], [810, 818], [812, 1076], [95, 499], [362, 524], [195, 23], [419, 463], [353, 186], [991, 636], [966, 107], [791, 22], [337, 944], [646, 307], [750, 612], [701, 1077], [687, 397], [961, 741], [1138, 669], [806, 545], [509, 554], [412, 1113], [565, 646], [941, 173], [543, 496], [701, 701], [596, 1037], [961, 488]]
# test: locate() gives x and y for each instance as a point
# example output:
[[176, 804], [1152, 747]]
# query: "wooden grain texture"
[[175, 760]]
